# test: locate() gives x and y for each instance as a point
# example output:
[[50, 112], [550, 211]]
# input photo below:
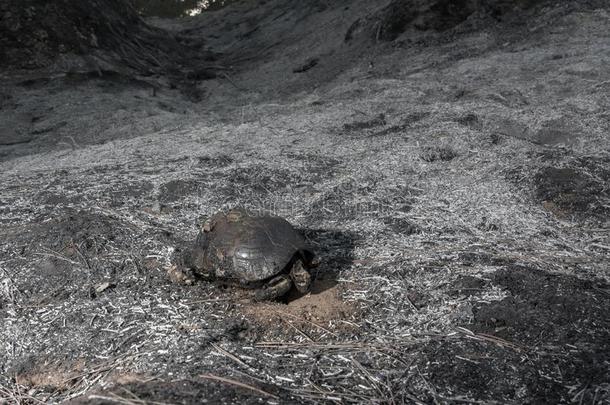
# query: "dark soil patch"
[[415, 117], [560, 131], [215, 162], [177, 190], [484, 258], [405, 123], [512, 129], [419, 298], [85, 232], [473, 367], [471, 121], [334, 247], [361, 125], [436, 153], [468, 286], [550, 326], [73, 254], [573, 190], [401, 226], [55, 199], [126, 193], [559, 323], [546, 309]]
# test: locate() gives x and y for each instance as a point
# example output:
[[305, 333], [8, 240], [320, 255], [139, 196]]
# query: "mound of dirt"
[[47, 375], [322, 304]]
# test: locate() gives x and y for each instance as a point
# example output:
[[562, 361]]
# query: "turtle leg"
[[300, 277], [209, 224], [181, 275], [274, 288]]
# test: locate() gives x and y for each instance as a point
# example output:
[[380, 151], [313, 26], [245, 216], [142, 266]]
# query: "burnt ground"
[[450, 167]]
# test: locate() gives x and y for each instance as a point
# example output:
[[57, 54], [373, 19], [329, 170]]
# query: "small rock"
[[103, 287]]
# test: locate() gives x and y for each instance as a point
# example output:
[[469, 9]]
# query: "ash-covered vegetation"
[[448, 162]]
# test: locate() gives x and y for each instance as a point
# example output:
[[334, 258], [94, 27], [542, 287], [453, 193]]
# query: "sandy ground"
[[455, 185]]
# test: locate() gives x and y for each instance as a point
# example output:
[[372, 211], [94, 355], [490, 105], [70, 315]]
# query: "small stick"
[[305, 320], [300, 331], [237, 384], [57, 256], [230, 355], [206, 301], [138, 399]]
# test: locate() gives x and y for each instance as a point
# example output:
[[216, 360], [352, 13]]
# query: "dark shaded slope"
[[87, 36]]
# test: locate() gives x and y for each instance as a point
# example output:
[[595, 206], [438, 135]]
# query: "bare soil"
[[450, 166]]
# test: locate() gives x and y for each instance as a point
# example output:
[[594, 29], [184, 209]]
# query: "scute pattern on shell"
[[248, 247]]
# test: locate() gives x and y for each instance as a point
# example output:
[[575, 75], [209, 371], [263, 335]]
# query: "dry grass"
[[395, 230]]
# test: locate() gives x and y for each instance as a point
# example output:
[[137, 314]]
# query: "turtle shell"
[[249, 247]]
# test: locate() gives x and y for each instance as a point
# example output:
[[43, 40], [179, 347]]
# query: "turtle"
[[254, 250]]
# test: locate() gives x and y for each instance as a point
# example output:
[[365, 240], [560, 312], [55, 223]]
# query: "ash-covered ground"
[[450, 167]]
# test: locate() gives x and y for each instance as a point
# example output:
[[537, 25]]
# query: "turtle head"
[[194, 258], [309, 258]]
